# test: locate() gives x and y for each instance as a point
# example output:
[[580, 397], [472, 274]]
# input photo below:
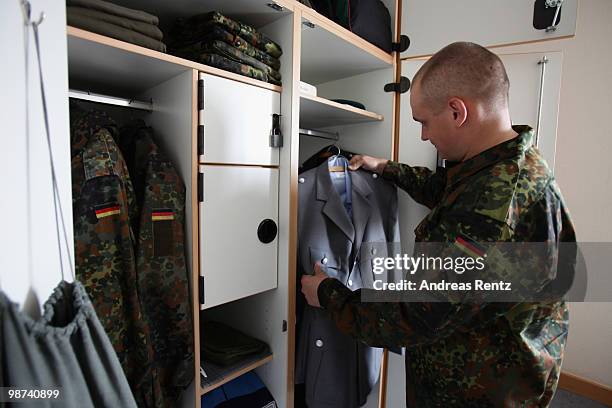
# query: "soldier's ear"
[[459, 111]]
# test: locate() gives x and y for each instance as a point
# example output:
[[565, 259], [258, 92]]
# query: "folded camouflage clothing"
[[218, 33], [226, 64], [195, 28], [224, 345], [230, 52]]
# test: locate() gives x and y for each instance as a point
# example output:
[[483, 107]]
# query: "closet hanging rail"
[[320, 134], [110, 100]]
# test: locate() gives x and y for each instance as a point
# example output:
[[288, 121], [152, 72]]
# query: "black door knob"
[[267, 230]]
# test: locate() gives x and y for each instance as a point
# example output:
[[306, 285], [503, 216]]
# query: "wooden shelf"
[[317, 112], [104, 64], [331, 52], [217, 376]]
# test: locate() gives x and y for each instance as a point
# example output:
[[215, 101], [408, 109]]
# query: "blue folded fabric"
[[246, 391], [245, 384], [213, 398]]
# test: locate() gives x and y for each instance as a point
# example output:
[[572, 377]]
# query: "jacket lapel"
[[333, 207]]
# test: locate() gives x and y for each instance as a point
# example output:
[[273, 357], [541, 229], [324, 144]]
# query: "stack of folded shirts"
[[223, 345], [216, 40], [111, 20]]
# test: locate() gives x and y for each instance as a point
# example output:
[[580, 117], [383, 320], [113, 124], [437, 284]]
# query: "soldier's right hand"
[[369, 163]]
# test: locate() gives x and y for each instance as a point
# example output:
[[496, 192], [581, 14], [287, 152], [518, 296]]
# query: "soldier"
[[462, 354]]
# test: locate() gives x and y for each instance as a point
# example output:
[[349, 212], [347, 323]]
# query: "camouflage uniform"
[[229, 52], [160, 258], [103, 204], [218, 33], [218, 41], [198, 26], [226, 64], [473, 354]]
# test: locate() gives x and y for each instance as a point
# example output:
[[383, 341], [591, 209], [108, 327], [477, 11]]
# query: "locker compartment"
[[237, 120], [238, 232]]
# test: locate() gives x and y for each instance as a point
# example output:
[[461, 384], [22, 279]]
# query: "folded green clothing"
[[147, 29], [224, 345], [115, 9], [226, 64], [216, 32], [226, 50], [114, 31], [194, 28]]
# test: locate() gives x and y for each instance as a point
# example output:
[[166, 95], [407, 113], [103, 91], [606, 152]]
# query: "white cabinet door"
[[534, 96], [432, 24], [237, 121], [234, 261]]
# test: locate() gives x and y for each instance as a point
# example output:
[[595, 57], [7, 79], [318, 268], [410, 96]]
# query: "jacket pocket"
[[329, 373]]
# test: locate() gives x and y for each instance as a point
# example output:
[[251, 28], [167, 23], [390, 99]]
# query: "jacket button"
[[374, 175], [319, 343], [324, 261], [373, 251], [350, 282], [301, 180]]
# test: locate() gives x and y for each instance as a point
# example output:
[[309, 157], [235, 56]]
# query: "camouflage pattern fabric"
[[473, 354], [217, 32], [195, 28], [226, 64], [232, 53], [103, 204], [160, 258]]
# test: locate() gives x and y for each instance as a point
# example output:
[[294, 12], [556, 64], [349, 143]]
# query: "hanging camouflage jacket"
[[160, 258], [103, 204], [488, 354]]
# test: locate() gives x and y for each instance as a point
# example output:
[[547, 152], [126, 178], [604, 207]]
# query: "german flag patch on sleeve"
[[164, 214], [469, 246], [107, 209]]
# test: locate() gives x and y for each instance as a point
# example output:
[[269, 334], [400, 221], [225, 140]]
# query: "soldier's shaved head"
[[463, 70]]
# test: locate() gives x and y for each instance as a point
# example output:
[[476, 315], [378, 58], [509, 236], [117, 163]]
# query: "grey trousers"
[[67, 348]]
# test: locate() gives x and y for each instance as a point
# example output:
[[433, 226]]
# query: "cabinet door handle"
[[267, 230]]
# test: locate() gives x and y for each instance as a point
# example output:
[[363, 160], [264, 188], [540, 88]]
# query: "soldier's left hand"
[[310, 285]]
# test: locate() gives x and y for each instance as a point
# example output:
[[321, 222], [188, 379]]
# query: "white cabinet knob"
[[301, 180], [374, 175]]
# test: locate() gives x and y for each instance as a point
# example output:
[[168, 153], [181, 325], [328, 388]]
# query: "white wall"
[[29, 260], [584, 169]]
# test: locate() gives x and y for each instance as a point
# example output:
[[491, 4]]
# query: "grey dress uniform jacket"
[[337, 370]]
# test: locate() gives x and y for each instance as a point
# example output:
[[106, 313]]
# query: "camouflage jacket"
[[103, 204], [160, 258], [473, 354]]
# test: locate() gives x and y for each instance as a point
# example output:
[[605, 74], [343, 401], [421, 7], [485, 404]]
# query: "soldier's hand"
[[369, 163], [310, 285]]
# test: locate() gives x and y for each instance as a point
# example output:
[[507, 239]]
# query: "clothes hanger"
[[339, 154]]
